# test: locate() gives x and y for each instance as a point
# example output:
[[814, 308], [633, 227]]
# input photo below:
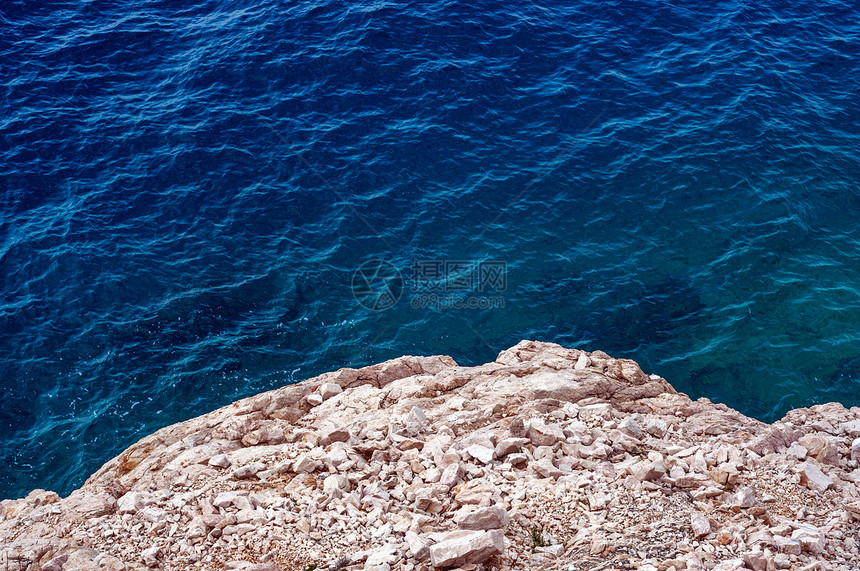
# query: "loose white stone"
[[480, 453], [470, 517], [328, 390], [133, 501], [543, 434], [418, 415], [814, 478], [745, 497], [249, 471], [433, 475], [648, 471], [656, 427], [546, 469], [336, 482], [509, 445], [851, 429], [385, 555], [150, 556], [758, 560], [464, 547], [305, 464], [631, 427], [419, 546], [810, 538], [220, 461], [450, 475], [330, 432], [700, 525], [798, 451], [337, 456], [225, 499], [152, 514], [197, 528], [787, 545], [855, 450]]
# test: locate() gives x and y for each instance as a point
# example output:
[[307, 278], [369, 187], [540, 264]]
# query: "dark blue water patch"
[[188, 189]]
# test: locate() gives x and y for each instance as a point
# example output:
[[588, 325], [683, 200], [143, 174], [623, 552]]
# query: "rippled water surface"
[[188, 188]]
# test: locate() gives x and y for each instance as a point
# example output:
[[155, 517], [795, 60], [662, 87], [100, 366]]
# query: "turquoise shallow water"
[[188, 189]]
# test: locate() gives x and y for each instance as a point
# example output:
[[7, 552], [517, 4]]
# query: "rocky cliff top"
[[546, 458]]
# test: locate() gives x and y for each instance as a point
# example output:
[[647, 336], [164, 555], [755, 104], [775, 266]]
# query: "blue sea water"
[[187, 190]]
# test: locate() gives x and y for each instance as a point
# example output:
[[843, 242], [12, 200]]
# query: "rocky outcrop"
[[547, 458]]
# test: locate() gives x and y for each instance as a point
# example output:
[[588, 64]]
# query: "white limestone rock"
[[386, 466], [812, 476], [304, 464], [331, 432], [509, 445], [542, 434], [787, 545], [220, 461], [381, 558], [477, 518], [631, 427], [460, 548], [336, 482], [744, 497], [419, 547], [855, 450], [797, 450], [132, 502], [151, 556], [656, 427], [480, 453], [649, 471], [328, 390], [759, 561], [700, 525], [248, 471], [811, 539], [546, 469], [450, 475]]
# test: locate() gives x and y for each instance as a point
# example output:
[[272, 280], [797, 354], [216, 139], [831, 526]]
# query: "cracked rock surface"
[[546, 458]]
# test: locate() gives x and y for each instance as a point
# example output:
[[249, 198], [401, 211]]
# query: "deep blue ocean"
[[203, 200]]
